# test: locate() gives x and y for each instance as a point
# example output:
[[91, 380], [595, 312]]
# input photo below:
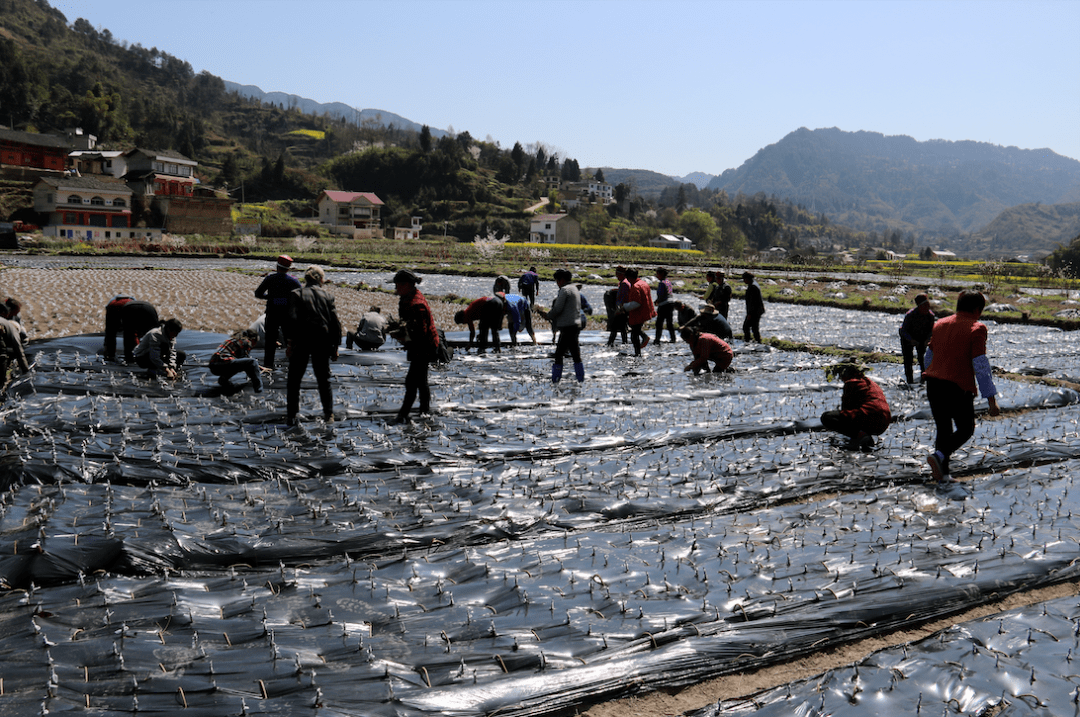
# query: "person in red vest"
[[707, 347], [639, 309], [131, 318], [955, 362], [415, 329], [864, 412]]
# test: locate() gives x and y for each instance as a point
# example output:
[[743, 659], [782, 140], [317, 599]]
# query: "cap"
[[405, 276], [284, 262]]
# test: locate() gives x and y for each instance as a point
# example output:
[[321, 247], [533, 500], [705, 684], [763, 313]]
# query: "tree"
[[518, 155], [599, 176], [425, 139], [699, 227]]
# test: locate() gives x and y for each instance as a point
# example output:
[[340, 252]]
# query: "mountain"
[[870, 181], [645, 182], [333, 109], [698, 179], [1034, 229]]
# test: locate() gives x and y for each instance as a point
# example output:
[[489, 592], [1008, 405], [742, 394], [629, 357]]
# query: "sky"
[[672, 86]]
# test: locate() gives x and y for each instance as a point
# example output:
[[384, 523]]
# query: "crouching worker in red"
[[864, 412], [706, 348]]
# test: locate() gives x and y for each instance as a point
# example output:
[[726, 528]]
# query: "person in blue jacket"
[[518, 316]]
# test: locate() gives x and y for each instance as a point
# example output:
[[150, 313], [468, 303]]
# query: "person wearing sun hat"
[[415, 330], [275, 289], [864, 411]]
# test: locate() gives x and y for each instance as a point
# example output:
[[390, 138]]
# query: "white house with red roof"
[[354, 213]]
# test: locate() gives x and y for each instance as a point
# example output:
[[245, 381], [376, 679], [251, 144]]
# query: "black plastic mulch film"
[[525, 551]]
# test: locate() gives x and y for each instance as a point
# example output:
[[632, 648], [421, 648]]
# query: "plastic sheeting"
[[1018, 663], [528, 549]]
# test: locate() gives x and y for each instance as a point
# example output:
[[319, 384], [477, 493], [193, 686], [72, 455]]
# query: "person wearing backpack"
[[314, 335]]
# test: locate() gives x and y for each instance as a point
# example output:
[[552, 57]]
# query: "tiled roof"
[[86, 183], [35, 139], [337, 196]]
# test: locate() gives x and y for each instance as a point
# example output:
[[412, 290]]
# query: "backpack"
[[445, 352]]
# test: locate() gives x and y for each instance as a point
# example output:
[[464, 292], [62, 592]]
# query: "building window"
[[119, 220], [74, 199], [97, 220], [71, 218], [118, 202], [97, 201]]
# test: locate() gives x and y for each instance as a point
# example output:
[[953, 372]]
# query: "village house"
[[353, 213], [410, 232], [22, 151], [90, 208], [671, 241], [555, 229]]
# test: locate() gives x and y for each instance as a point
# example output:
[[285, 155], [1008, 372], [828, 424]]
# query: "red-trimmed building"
[[30, 150], [353, 213], [160, 174], [90, 208]]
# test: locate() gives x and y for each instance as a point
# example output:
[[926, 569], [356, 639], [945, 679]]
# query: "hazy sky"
[[674, 86]]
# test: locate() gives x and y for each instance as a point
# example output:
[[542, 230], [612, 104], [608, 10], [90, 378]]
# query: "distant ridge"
[[874, 182], [332, 109]]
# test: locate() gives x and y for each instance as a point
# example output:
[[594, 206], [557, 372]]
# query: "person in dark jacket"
[[915, 335], [132, 318], [234, 356], [755, 309], [416, 331], [721, 296], [710, 321], [665, 305], [529, 285], [864, 412], [313, 333], [488, 312], [275, 289]]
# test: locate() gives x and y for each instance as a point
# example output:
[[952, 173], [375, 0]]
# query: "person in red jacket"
[[639, 309], [416, 331], [706, 348], [955, 362], [864, 412]]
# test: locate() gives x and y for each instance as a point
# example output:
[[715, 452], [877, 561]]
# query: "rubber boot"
[[579, 372], [556, 372]]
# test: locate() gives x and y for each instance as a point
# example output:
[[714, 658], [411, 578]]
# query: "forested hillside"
[[869, 181], [1027, 228]]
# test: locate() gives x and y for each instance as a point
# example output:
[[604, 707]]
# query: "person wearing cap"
[[665, 305], [864, 411], [706, 347], [639, 309], [313, 334], [370, 333], [488, 312], [157, 352], [131, 317], [915, 334], [755, 309], [565, 317], [956, 368], [710, 321], [721, 296], [416, 331], [275, 289]]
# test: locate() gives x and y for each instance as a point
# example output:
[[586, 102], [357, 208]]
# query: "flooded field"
[[528, 549]]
